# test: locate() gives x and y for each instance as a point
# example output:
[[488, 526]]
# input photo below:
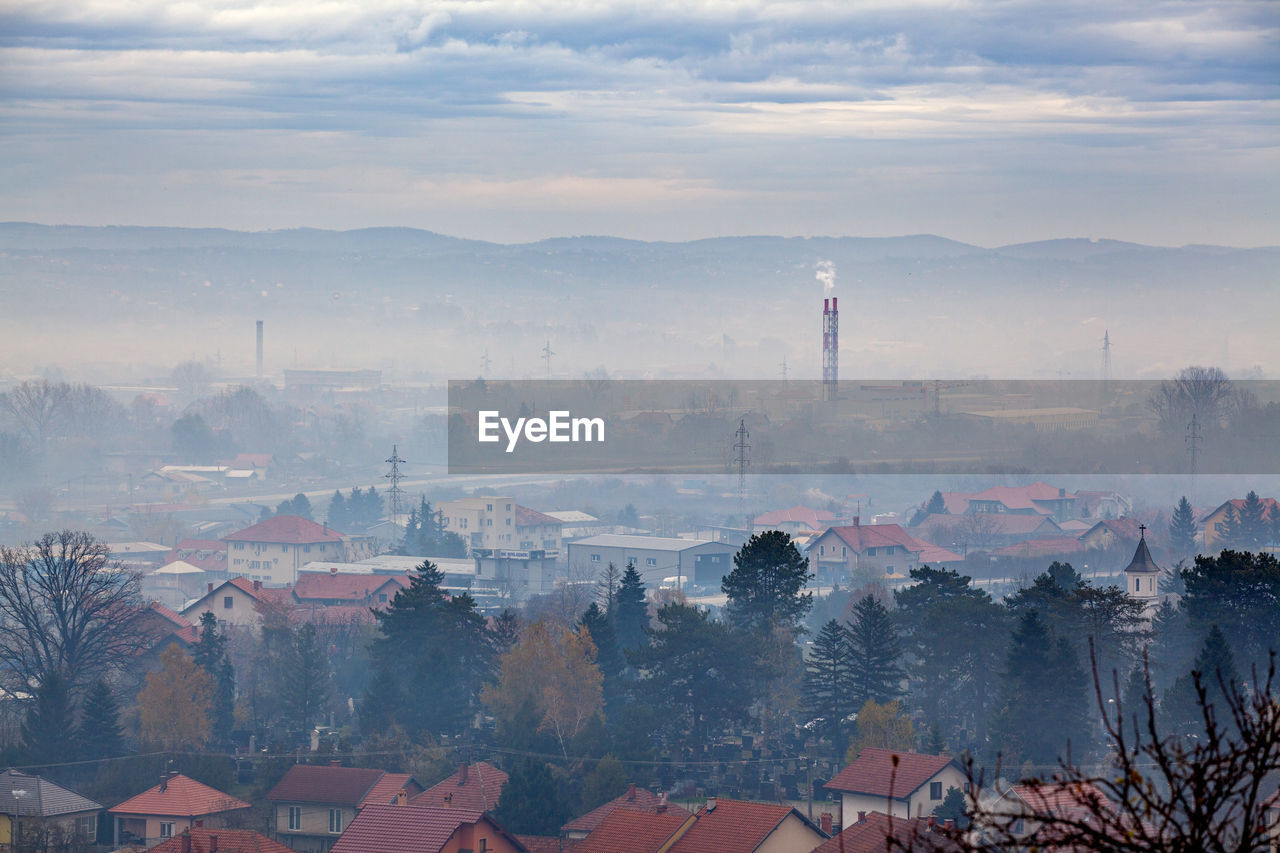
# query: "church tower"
[[1142, 576]]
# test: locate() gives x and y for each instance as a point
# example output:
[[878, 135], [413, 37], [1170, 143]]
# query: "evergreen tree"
[[299, 505], [764, 588], [1254, 530], [100, 735], [873, 644], [49, 733], [608, 654], [307, 679], [1228, 529], [953, 808], [505, 631], [1240, 593], [336, 514], [1045, 697], [829, 687], [1215, 668], [631, 615], [937, 505], [439, 652], [531, 802], [210, 654], [1182, 529]]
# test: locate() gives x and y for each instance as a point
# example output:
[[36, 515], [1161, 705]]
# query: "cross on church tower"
[[1142, 531]]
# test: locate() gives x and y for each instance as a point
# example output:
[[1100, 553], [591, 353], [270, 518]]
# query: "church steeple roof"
[[1142, 561]]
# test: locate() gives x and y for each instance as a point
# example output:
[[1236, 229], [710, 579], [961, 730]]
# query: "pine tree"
[[336, 514], [531, 802], [873, 643], [100, 735], [1254, 527], [1215, 667], [764, 588], [953, 808], [49, 733], [210, 654], [631, 616], [608, 654], [1182, 529], [1045, 697], [505, 631], [829, 687], [1228, 529], [307, 679]]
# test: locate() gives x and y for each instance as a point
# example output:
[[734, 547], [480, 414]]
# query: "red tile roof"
[[872, 773], [181, 796], [228, 841], [257, 591], [408, 829], [736, 826], [306, 783], [626, 831], [286, 530], [331, 586], [872, 836], [1063, 800], [548, 844], [862, 536], [391, 784], [814, 519], [526, 517], [635, 799], [1124, 528], [1021, 497], [475, 786]]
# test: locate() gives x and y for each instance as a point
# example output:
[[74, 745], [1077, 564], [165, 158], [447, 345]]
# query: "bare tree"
[[35, 408], [976, 530], [191, 378], [1155, 792], [64, 606], [1204, 392]]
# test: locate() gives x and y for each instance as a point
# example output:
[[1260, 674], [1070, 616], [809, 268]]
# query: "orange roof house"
[[273, 550], [876, 833], [904, 784], [412, 828], [341, 588], [474, 786], [237, 601], [205, 840], [175, 805], [737, 826], [635, 799], [626, 831], [312, 805]]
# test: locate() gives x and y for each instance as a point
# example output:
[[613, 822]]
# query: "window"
[[1018, 828], [651, 561], [935, 790], [166, 830], [888, 570], [382, 598], [335, 820], [822, 550], [488, 522], [295, 817], [227, 602], [508, 507], [508, 522], [306, 549], [87, 828], [484, 845], [489, 507], [595, 558], [871, 552], [966, 787], [844, 552], [1137, 583]]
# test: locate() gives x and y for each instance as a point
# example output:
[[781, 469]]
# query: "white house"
[[914, 788]]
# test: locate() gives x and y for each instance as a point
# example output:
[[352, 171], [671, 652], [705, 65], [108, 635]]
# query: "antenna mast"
[[1193, 441], [1106, 356], [546, 356], [741, 458]]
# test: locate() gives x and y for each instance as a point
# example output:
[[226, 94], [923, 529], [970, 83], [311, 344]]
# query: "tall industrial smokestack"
[[259, 349], [830, 347]]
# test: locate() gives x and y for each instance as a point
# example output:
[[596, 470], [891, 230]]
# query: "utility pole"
[[784, 368], [393, 475], [741, 458], [1193, 441], [485, 361], [1106, 356], [546, 356]]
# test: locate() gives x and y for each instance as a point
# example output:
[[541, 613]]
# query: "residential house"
[[737, 825], [913, 788], [875, 832], [1111, 534], [272, 551], [538, 531], [986, 531], [412, 828], [334, 588], [725, 826], [873, 551], [201, 839], [698, 561], [1021, 811], [29, 803], [1035, 499], [238, 601], [175, 805], [635, 799], [484, 522], [1210, 521], [312, 805], [209, 555], [474, 786], [794, 521]]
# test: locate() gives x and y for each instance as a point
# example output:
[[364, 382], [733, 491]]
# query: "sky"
[[515, 120]]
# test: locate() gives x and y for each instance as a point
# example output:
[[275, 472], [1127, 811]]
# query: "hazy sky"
[[519, 119]]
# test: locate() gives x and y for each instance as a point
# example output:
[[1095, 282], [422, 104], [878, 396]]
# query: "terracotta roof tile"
[[873, 772], [342, 586], [526, 517], [475, 786], [286, 530], [815, 519], [548, 844], [385, 789], [635, 799], [307, 783], [181, 796], [228, 841], [735, 826], [626, 831], [872, 836], [403, 829]]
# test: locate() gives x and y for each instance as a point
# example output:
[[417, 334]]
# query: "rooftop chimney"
[[210, 586], [662, 803], [631, 791], [826, 822], [213, 844], [164, 783], [463, 772], [711, 804], [186, 842], [862, 817], [950, 824], [333, 762], [930, 821], [402, 797], [257, 585]]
